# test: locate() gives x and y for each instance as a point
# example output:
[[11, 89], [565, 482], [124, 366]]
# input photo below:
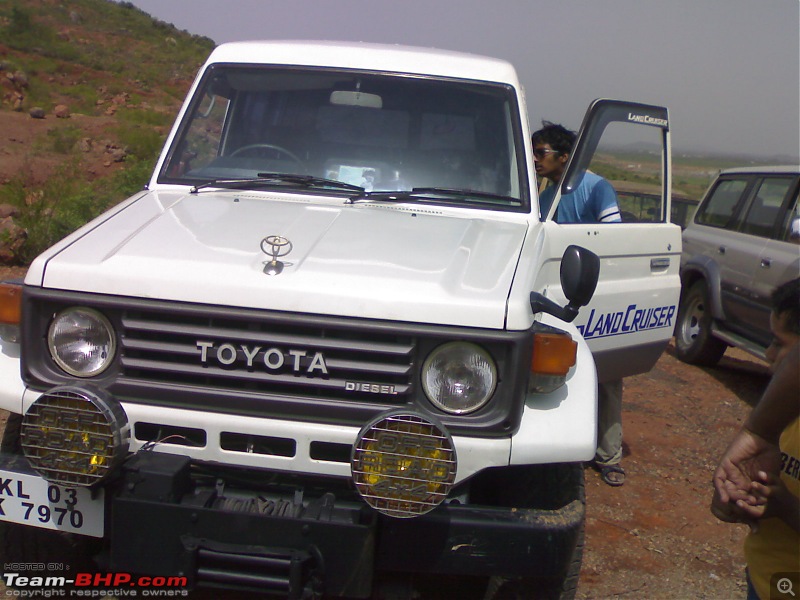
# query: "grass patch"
[[153, 118], [66, 201], [63, 139], [52, 210], [141, 141]]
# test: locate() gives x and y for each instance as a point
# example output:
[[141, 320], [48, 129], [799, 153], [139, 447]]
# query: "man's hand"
[[746, 456], [726, 511], [772, 499]]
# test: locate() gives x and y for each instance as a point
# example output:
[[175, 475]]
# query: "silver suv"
[[743, 242]]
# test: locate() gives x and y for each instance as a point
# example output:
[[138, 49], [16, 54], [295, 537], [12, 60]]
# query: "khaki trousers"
[[609, 423]]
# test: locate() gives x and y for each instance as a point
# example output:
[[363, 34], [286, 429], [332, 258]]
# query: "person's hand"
[[765, 494], [726, 511], [770, 498], [746, 456]]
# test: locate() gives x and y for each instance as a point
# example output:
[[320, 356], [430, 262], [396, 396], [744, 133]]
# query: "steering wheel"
[[278, 149]]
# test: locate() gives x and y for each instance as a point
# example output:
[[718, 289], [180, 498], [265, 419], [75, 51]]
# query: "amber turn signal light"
[[553, 353], [10, 303]]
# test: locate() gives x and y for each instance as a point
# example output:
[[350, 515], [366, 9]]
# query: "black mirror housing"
[[580, 270]]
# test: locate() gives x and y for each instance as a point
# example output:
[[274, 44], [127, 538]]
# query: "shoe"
[[613, 475]]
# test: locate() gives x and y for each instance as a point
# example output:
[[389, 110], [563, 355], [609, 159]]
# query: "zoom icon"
[[784, 585]]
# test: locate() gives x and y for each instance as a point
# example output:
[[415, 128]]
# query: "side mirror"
[[580, 270]]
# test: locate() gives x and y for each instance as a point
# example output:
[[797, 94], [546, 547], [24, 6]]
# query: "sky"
[[727, 70]]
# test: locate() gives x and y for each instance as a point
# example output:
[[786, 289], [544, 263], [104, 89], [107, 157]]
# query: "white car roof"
[[371, 57]]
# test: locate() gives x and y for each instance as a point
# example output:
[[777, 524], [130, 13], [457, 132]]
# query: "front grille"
[[266, 356]]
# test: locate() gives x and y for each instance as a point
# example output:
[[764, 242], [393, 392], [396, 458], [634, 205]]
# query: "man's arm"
[[780, 404], [604, 203], [755, 447]]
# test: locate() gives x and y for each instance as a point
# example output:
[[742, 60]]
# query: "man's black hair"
[[559, 137], [786, 301]]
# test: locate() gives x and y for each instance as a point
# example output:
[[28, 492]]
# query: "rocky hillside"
[[88, 90]]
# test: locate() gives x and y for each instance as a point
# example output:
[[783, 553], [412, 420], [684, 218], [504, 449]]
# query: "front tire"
[[694, 343]]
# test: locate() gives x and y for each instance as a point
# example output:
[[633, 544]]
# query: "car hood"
[[378, 261]]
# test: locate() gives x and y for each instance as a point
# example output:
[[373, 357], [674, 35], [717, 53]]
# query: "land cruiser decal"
[[630, 320], [647, 120], [272, 359]]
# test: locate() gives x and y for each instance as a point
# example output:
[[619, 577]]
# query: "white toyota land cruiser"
[[333, 348]]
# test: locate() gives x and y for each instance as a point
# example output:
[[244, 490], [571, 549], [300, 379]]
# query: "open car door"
[[632, 314]]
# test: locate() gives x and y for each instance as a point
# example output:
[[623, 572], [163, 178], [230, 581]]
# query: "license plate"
[[31, 500]]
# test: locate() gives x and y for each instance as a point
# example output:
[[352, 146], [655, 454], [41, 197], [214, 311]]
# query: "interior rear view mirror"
[[348, 98]]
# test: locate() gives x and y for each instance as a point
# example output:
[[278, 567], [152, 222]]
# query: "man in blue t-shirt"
[[593, 201]]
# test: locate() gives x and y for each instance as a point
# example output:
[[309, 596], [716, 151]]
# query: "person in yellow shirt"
[[773, 544], [770, 501]]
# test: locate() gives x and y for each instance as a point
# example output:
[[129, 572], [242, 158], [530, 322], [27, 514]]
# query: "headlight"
[[74, 436], [459, 377], [81, 341]]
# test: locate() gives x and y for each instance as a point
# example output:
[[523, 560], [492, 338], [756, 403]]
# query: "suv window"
[[762, 216], [790, 230], [721, 206]]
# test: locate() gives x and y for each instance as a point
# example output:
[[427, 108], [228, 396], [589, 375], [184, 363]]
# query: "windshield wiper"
[[312, 181], [224, 183], [434, 193], [307, 181]]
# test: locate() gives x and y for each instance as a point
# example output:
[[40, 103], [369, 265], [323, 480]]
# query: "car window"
[[765, 209], [791, 226], [627, 158], [721, 206]]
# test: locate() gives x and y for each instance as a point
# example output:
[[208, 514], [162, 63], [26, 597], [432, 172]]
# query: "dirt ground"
[[654, 537], [26, 146]]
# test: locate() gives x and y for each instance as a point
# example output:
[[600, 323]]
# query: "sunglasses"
[[542, 152]]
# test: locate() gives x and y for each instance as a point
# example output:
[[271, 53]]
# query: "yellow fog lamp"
[[403, 464], [73, 436], [554, 354]]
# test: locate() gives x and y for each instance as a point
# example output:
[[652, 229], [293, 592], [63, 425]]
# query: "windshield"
[[379, 132]]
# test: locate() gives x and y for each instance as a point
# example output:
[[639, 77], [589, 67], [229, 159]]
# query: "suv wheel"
[[694, 343]]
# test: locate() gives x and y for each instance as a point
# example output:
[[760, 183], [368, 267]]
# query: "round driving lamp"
[[81, 341], [75, 437], [403, 464], [459, 377]]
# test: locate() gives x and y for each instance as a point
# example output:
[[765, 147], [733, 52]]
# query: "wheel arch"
[[702, 268]]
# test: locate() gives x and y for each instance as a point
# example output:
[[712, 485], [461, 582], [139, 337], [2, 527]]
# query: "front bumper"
[[160, 522], [333, 546]]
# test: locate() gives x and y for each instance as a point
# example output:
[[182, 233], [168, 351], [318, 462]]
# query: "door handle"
[[659, 264], [766, 263]]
